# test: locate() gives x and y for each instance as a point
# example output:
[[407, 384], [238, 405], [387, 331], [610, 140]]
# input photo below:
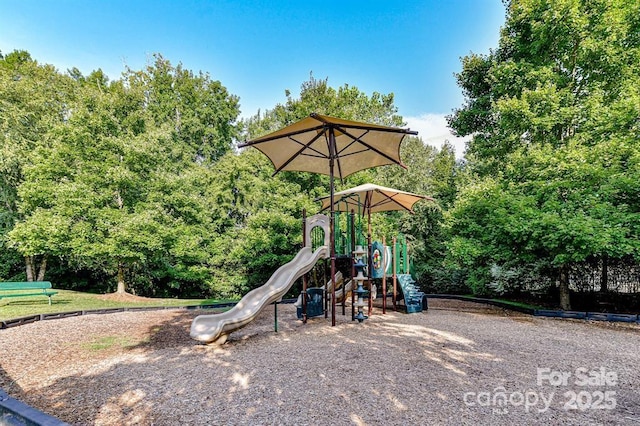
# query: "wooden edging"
[[15, 322], [593, 316]]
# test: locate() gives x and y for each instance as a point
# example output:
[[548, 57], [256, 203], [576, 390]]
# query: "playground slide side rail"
[[215, 328]]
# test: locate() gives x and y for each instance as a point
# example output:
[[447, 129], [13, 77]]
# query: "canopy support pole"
[[369, 260], [305, 276], [353, 269], [395, 269], [384, 276], [332, 239]]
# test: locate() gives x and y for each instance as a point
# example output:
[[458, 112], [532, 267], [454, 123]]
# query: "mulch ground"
[[450, 365]]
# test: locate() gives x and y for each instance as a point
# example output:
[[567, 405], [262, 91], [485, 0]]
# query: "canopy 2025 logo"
[[589, 398], [582, 377]]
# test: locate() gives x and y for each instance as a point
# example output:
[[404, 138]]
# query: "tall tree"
[[346, 102], [432, 172], [34, 98], [201, 111], [553, 113], [87, 194]]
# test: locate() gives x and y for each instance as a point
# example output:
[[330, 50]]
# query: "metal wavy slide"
[[216, 328]]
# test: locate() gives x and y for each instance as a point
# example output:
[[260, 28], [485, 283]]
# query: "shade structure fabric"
[[371, 198], [334, 147], [305, 146]]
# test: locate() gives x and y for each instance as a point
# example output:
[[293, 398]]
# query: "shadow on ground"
[[392, 369]]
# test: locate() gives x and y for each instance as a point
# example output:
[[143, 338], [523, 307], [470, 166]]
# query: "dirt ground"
[[458, 363]]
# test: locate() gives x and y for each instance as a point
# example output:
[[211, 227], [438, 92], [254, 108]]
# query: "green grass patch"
[[108, 342], [519, 304], [505, 301], [67, 301]]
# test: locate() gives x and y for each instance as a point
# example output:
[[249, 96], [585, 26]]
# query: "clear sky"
[[258, 49]]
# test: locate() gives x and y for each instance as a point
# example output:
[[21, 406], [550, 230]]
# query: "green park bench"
[[25, 289]]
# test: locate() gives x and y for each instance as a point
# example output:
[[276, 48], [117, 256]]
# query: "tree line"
[[136, 183]]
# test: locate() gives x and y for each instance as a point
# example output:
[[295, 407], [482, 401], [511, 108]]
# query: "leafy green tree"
[[123, 185], [432, 172], [553, 113], [104, 185], [87, 194], [201, 111], [346, 102], [33, 99], [259, 220]]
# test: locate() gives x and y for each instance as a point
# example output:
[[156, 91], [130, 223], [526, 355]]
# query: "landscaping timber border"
[[551, 313], [14, 322]]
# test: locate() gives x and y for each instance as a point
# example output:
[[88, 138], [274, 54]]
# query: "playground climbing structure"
[[215, 328]]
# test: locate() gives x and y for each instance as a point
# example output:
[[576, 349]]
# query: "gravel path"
[[449, 365]]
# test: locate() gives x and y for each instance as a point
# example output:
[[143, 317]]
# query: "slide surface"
[[340, 289], [340, 293], [338, 278], [217, 327]]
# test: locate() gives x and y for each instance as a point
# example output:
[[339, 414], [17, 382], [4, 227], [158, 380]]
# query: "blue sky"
[[258, 49]]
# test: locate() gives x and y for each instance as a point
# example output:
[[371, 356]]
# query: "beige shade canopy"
[[372, 198], [304, 146], [335, 147]]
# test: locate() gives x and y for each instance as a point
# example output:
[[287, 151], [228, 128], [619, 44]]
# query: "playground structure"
[[315, 295], [314, 301], [384, 265], [337, 148], [216, 328]]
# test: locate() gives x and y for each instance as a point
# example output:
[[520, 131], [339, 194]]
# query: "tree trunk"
[[121, 285], [28, 260], [604, 278], [43, 268], [565, 303]]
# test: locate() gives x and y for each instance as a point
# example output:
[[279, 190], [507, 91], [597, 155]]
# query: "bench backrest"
[[26, 285]]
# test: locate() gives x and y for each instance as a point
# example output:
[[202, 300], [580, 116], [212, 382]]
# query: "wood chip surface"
[[448, 365]]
